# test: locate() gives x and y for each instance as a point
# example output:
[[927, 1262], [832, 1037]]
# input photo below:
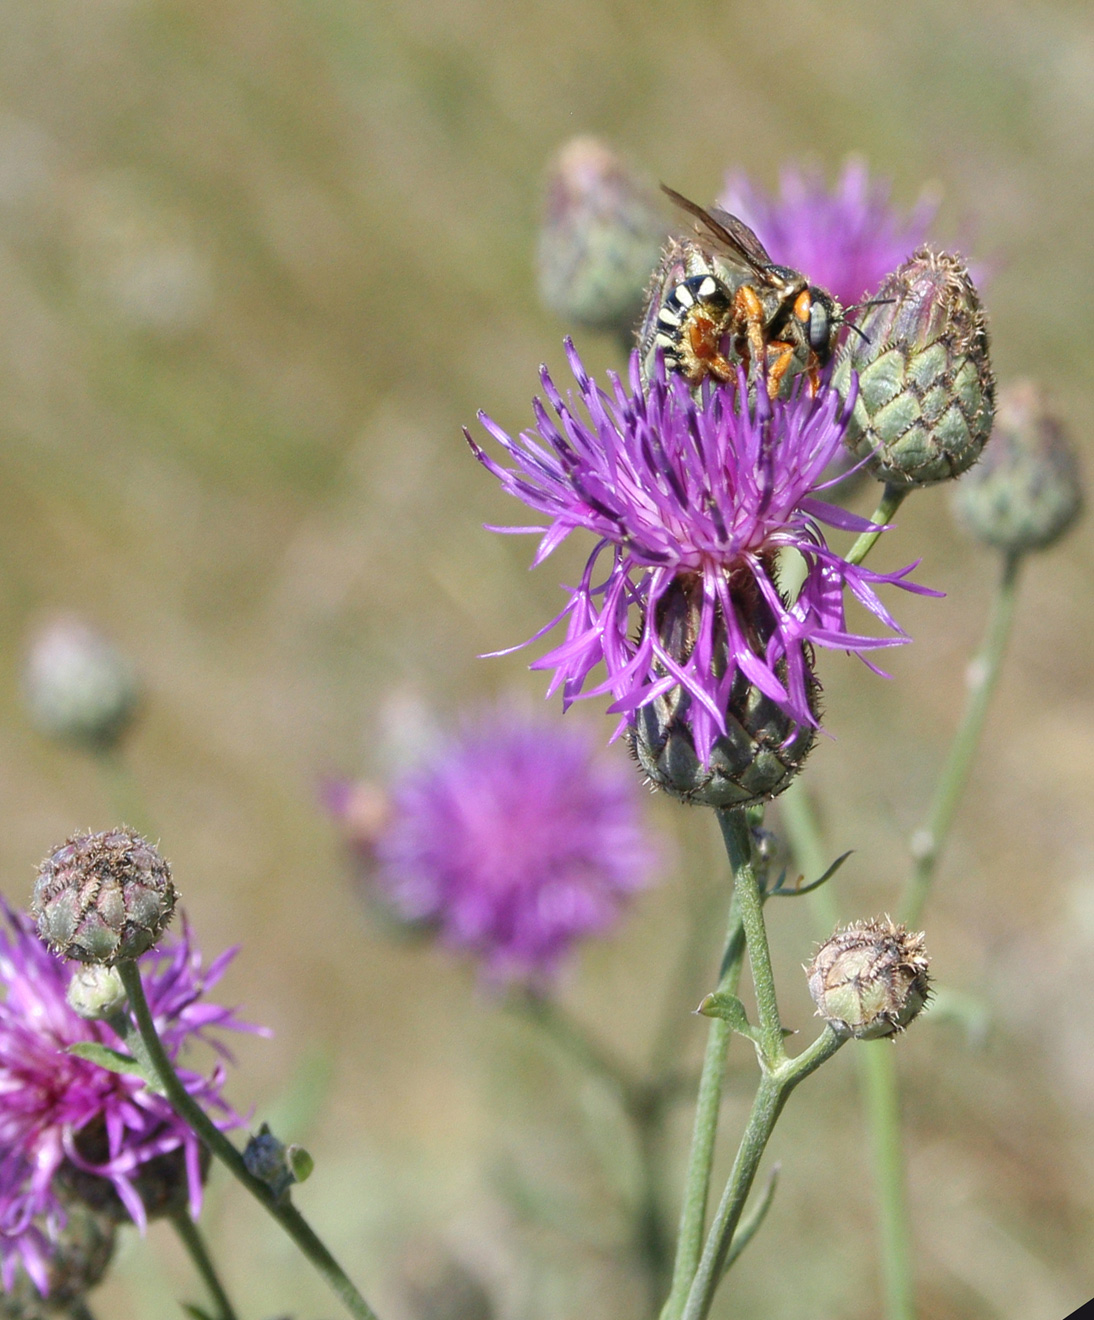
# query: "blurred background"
[[259, 262]]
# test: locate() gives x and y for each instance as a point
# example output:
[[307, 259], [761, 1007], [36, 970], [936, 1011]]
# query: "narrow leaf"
[[112, 1060], [749, 1225], [730, 1009], [799, 889]]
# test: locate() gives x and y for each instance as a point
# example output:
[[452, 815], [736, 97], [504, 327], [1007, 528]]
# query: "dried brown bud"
[[870, 978], [100, 898]]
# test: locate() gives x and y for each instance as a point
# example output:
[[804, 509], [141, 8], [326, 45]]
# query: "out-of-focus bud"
[[79, 688], [275, 1164], [870, 979], [761, 751], [1025, 492], [162, 1182], [602, 232], [926, 390], [96, 992], [76, 1258], [100, 898]]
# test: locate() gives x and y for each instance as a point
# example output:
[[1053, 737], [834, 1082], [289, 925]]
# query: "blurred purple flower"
[[846, 239], [513, 841], [49, 1096], [699, 495]]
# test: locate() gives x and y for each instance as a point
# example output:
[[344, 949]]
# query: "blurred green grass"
[[258, 263]]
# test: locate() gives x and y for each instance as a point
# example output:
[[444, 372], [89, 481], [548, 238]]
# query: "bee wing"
[[724, 233]]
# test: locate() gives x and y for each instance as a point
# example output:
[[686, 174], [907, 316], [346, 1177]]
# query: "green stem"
[[148, 1050], [738, 838], [689, 1242], [876, 1063], [881, 1092], [928, 842], [891, 499], [194, 1242], [79, 1310], [775, 1087]]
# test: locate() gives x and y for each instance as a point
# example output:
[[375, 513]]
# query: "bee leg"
[[704, 339], [748, 315], [784, 356], [814, 377]]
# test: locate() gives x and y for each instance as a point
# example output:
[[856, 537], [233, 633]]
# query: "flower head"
[[691, 501], [513, 841], [66, 1122], [846, 239]]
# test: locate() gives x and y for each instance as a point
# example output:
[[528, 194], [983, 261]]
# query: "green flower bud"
[[103, 897], [1025, 492], [601, 236], [77, 1258], [925, 386], [79, 688], [756, 759], [869, 979], [277, 1165], [96, 992]]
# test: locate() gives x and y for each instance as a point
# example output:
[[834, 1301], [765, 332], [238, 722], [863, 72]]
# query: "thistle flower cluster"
[[691, 499], [72, 1129], [512, 841]]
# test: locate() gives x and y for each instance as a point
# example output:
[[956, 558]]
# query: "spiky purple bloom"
[[699, 495], [49, 1096], [513, 841], [846, 238]]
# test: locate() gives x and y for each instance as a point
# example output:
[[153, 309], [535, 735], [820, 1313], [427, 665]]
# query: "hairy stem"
[[148, 1050], [689, 1242], [194, 1242], [928, 842]]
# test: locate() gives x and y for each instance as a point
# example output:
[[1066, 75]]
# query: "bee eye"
[[820, 327]]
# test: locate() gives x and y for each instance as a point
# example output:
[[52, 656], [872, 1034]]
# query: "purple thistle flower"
[[48, 1097], [846, 239], [699, 494], [515, 840]]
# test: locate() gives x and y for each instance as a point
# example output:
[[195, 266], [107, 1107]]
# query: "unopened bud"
[[1025, 492], [870, 979], [162, 1182], [275, 1164], [75, 1257], [96, 992], [103, 897], [762, 748], [926, 391], [601, 237], [79, 687]]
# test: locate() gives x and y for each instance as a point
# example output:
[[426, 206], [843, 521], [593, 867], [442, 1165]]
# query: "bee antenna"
[[873, 302], [852, 326]]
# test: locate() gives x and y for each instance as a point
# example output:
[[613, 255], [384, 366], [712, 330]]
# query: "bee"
[[735, 305]]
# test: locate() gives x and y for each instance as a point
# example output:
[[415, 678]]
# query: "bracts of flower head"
[[1027, 490], [70, 1128], [925, 390], [692, 500]]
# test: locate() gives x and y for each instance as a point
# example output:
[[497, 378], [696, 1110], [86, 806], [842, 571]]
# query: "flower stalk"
[[194, 1242], [148, 1051]]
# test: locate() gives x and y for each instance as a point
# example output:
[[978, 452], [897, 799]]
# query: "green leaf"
[[749, 1225], [780, 891], [112, 1060], [729, 1008]]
